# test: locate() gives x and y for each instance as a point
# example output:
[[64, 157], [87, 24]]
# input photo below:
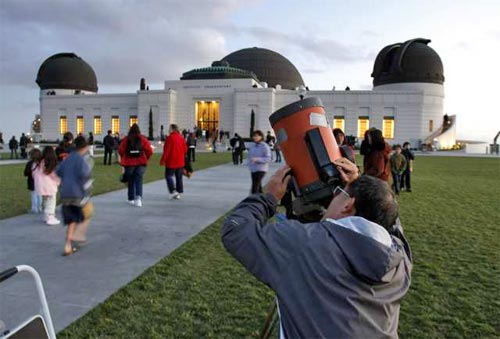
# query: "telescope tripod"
[[271, 320]]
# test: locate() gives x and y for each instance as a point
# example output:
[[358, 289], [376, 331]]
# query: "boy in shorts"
[[75, 173]]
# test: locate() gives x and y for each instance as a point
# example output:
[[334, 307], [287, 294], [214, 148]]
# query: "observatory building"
[[244, 88]]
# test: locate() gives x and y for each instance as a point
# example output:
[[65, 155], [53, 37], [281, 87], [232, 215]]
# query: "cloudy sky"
[[330, 42]]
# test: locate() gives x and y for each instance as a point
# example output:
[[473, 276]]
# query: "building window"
[[363, 126], [63, 124], [132, 120], [388, 128], [80, 125], [97, 125], [339, 122], [431, 125], [115, 124]]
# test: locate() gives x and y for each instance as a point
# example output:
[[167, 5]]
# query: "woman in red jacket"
[[135, 151], [173, 158], [376, 162]]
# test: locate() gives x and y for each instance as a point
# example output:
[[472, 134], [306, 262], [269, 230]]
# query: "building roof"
[[218, 70], [410, 61], [66, 71], [269, 66]]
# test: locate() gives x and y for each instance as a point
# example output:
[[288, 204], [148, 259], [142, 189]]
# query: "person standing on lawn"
[[23, 145], [135, 151], [36, 199], [173, 158], [259, 157], [65, 147], [376, 161], [13, 146], [46, 183], [90, 143], [75, 173], [109, 145], [345, 150], [406, 177], [398, 166]]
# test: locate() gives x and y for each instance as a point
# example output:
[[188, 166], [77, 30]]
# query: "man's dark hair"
[[109, 131], [259, 133], [406, 143], [374, 201], [174, 127], [80, 142]]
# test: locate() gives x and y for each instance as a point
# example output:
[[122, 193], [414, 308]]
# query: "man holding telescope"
[[341, 277]]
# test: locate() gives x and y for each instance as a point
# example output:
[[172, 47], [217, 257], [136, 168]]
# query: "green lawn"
[[452, 222], [15, 198]]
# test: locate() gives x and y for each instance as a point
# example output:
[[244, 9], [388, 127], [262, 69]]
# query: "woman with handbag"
[[135, 151]]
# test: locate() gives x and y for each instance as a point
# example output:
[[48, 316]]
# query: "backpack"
[[134, 147]]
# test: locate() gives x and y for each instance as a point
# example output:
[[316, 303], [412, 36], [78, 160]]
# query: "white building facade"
[[214, 98]]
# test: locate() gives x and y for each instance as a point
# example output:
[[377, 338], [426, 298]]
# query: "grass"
[[15, 198], [451, 220]]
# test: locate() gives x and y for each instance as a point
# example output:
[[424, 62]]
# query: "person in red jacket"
[[173, 158], [135, 151], [377, 158]]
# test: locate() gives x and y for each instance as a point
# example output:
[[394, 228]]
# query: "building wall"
[[412, 106]]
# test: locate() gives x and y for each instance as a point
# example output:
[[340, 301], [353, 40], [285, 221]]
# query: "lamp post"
[[302, 91]]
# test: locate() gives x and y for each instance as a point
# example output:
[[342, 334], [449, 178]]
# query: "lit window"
[[431, 125], [363, 126], [388, 128], [339, 122], [97, 125], [115, 124], [80, 125], [63, 124], [132, 120]]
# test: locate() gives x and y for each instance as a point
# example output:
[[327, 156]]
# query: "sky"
[[332, 43]]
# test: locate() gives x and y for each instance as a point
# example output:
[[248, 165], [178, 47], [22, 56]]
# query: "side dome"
[[267, 65], [66, 71], [410, 61]]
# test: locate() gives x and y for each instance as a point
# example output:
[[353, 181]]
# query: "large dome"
[[410, 61], [268, 66], [66, 71]]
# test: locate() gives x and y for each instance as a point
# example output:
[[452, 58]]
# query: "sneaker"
[[131, 202], [138, 202], [178, 196], [175, 195], [52, 220]]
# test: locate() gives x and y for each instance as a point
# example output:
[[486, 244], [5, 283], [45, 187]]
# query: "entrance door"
[[207, 115]]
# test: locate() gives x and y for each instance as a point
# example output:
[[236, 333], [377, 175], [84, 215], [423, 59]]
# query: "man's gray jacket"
[[333, 279]]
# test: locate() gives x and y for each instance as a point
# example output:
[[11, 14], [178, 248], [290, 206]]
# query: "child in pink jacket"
[[46, 183]]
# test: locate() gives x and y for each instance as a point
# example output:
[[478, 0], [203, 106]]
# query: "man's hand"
[[279, 182], [348, 171]]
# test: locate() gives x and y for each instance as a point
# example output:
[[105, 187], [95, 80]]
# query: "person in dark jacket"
[[173, 158], [345, 150], [135, 151], [23, 145], [65, 147], [13, 146], [191, 144], [36, 199], [341, 277], [237, 146], [376, 161], [109, 145], [406, 177]]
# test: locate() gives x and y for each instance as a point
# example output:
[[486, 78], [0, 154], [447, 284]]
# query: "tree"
[[151, 137], [252, 123]]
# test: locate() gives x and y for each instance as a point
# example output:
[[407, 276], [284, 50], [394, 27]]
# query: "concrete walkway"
[[123, 242]]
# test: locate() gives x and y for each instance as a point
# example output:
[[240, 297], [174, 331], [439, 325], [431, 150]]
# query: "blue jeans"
[[169, 174], [36, 202], [396, 185], [134, 176]]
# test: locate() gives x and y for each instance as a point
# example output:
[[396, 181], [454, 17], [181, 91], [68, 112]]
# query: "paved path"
[[123, 242]]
